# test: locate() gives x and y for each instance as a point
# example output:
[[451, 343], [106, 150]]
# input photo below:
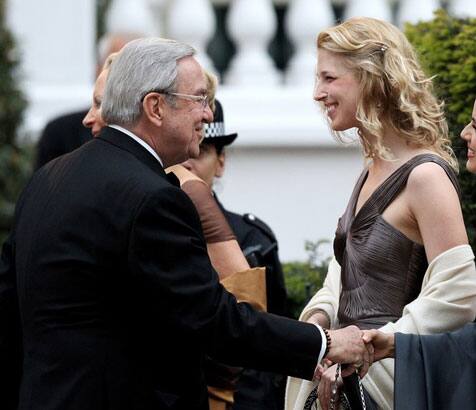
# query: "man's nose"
[[88, 120], [207, 114]]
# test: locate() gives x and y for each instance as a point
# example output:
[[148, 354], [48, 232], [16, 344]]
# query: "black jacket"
[[260, 246], [60, 136], [118, 300]]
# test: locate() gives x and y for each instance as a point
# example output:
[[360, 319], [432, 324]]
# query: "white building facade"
[[285, 165]]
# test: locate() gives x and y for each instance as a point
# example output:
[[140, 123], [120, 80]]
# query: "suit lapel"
[[123, 141]]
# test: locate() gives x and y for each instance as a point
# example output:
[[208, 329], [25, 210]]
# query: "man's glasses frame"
[[202, 99]]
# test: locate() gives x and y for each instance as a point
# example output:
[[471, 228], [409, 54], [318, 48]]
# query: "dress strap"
[[349, 212], [397, 181]]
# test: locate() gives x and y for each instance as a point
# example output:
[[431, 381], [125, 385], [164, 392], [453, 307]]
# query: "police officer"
[[255, 390]]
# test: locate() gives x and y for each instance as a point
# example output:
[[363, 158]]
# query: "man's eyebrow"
[[474, 119]]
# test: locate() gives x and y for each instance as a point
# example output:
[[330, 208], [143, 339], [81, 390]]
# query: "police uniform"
[[255, 389], [260, 247]]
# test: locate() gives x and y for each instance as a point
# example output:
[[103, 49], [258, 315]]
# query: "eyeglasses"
[[202, 99]]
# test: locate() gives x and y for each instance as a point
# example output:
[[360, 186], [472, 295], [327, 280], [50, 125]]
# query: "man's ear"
[[153, 106], [220, 168]]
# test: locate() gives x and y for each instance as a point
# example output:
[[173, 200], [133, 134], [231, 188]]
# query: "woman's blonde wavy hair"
[[394, 90]]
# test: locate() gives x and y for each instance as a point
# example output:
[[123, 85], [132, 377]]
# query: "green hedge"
[[447, 50], [304, 279], [14, 158]]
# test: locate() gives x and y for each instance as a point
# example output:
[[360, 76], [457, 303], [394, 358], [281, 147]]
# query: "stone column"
[[138, 16], [413, 11], [252, 24], [379, 9], [304, 20], [193, 22]]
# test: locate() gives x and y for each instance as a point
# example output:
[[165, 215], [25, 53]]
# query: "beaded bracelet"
[[328, 341]]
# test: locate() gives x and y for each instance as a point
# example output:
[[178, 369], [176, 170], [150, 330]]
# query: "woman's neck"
[[400, 149]]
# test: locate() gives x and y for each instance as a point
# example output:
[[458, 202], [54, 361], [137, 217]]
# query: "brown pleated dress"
[[381, 269]]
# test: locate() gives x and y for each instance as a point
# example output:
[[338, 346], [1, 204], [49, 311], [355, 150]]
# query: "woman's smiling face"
[[337, 89], [469, 135]]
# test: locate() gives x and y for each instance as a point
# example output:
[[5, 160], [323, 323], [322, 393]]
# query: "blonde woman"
[[402, 260]]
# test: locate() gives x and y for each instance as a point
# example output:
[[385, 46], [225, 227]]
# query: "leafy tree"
[[14, 159], [304, 279], [447, 49]]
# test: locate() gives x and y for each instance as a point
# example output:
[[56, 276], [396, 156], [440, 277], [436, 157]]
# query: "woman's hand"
[[324, 390], [383, 343]]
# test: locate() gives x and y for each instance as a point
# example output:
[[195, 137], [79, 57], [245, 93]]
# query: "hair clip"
[[383, 48]]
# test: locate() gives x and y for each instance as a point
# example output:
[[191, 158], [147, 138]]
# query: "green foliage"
[[304, 279], [14, 158], [447, 50]]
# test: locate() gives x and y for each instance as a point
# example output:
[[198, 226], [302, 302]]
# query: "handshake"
[[357, 348]]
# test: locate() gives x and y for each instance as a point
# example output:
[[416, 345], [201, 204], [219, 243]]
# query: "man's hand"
[[384, 343], [348, 347]]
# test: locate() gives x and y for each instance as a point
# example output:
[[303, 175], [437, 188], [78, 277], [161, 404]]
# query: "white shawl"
[[446, 302]]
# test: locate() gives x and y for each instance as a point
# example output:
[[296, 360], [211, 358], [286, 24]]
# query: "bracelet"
[[328, 341]]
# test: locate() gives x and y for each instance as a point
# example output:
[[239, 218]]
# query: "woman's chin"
[[336, 126], [471, 165]]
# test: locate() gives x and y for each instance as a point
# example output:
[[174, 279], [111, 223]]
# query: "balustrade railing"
[[251, 24], [67, 37]]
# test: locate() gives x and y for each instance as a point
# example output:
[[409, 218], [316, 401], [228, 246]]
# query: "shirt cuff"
[[323, 344]]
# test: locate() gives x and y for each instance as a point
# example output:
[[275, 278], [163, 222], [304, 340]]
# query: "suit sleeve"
[[168, 255], [10, 335]]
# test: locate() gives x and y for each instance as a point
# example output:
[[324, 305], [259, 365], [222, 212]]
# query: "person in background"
[[93, 119], [402, 260], [254, 389], [66, 132], [434, 371]]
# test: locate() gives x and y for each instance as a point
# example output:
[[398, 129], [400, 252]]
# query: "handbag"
[[351, 396]]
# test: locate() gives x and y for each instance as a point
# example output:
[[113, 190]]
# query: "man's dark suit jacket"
[[117, 297]]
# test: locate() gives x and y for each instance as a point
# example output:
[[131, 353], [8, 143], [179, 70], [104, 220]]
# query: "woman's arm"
[[434, 204], [322, 308]]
